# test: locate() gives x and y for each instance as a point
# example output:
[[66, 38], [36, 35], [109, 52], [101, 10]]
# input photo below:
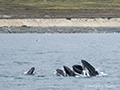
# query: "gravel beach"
[[63, 22], [61, 25]]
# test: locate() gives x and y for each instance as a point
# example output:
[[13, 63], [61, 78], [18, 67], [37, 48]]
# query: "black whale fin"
[[68, 71], [78, 69], [31, 71], [59, 72], [91, 69]]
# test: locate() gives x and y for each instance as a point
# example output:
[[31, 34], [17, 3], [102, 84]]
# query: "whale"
[[68, 71], [86, 69], [78, 69], [30, 72], [91, 70], [59, 72]]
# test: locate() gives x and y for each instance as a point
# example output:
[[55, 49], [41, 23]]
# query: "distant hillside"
[[60, 4]]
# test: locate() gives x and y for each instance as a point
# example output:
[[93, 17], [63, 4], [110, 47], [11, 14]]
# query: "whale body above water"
[[30, 72], [86, 69]]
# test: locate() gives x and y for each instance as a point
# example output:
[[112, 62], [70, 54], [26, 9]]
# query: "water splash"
[[103, 74]]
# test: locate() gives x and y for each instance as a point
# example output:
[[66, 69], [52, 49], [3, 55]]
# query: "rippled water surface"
[[47, 52]]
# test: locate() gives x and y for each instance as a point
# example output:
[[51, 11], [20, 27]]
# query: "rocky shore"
[[27, 29]]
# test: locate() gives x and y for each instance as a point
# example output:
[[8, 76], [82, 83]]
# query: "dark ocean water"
[[47, 52]]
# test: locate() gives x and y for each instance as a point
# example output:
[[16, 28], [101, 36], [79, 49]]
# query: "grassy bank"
[[60, 4], [59, 8]]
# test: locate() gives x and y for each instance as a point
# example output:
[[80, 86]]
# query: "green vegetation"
[[60, 4], [59, 8]]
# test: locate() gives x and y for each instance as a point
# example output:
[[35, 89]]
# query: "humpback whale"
[[30, 72], [59, 72], [81, 70], [78, 69], [90, 68], [68, 71]]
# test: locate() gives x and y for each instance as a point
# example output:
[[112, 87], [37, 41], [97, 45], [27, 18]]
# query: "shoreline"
[[62, 22], [61, 25]]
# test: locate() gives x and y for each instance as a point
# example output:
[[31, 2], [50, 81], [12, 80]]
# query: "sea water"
[[47, 52]]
